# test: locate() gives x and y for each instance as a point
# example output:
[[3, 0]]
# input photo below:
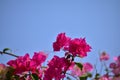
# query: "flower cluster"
[[112, 71], [59, 68], [26, 65], [115, 67], [72, 47], [76, 46]]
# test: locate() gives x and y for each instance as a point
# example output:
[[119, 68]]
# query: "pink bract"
[[76, 71], [20, 64], [115, 67], [104, 78], [56, 67], [104, 56], [79, 47], [117, 59], [87, 67], [2, 66], [39, 57], [61, 42], [25, 63]]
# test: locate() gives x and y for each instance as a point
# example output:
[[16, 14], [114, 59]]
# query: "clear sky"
[[30, 26]]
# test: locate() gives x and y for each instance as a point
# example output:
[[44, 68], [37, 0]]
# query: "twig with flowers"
[[58, 68]]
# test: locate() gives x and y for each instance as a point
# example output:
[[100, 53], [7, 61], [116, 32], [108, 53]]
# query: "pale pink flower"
[[104, 56], [76, 71], [87, 67], [115, 68], [115, 58], [116, 78], [116, 71], [103, 78]]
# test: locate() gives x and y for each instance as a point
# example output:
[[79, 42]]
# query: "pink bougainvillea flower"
[[79, 47], [20, 64], [26, 64], [117, 59], [76, 71], [104, 56], [116, 71], [115, 66], [87, 67], [62, 41], [104, 78], [56, 67], [116, 78], [39, 57]]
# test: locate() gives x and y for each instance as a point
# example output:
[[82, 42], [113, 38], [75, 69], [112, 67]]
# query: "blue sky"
[[31, 26]]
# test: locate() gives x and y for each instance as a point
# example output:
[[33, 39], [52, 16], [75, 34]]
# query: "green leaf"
[[35, 76], [17, 77], [79, 65], [97, 75], [89, 75], [5, 49], [83, 78], [9, 74]]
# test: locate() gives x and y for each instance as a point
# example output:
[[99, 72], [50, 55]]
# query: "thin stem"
[[101, 69], [11, 54], [95, 66]]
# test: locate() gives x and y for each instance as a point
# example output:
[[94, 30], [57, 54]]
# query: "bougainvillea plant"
[[58, 68]]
